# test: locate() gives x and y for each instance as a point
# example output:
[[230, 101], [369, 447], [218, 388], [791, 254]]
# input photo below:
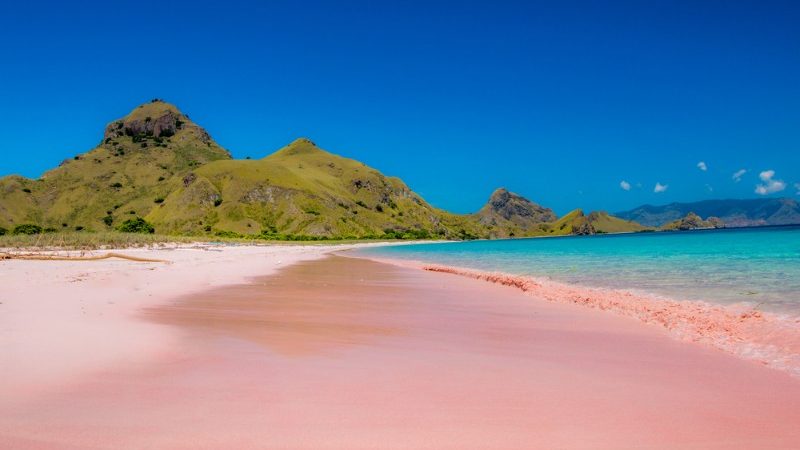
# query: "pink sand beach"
[[292, 347]]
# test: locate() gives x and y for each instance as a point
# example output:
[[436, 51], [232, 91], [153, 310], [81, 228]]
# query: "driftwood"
[[43, 257]]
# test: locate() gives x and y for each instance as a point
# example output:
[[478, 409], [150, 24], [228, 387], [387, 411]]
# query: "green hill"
[[143, 157], [597, 222], [301, 190], [156, 164], [602, 222]]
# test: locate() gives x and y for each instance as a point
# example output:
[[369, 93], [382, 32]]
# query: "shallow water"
[[755, 266]]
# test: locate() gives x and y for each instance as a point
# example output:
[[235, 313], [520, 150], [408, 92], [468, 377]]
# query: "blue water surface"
[[759, 266]]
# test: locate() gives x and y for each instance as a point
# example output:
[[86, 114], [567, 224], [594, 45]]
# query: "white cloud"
[[660, 188], [702, 166], [737, 176], [625, 185], [770, 185]]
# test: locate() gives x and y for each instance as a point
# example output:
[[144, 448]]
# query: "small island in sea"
[[508, 227]]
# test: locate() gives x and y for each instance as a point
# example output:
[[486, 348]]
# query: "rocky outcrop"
[[164, 125], [508, 206], [583, 228], [694, 222], [715, 222]]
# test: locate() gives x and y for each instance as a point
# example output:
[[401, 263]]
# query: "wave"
[[766, 338]]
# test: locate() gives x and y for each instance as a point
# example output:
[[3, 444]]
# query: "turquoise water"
[[758, 266]]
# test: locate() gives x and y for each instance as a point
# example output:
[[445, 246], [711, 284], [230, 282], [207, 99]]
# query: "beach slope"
[[335, 352]]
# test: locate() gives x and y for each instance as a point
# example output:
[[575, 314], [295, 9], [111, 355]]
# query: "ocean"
[[759, 267]]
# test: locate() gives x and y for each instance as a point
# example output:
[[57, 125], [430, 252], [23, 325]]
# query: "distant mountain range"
[[155, 169], [732, 213]]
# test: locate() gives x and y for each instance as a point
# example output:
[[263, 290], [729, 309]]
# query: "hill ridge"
[[732, 212], [158, 165]]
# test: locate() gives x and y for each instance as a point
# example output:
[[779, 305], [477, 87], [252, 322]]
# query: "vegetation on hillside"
[[155, 171]]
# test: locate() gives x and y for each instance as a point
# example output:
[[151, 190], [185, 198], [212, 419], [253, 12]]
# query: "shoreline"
[[294, 347], [63, 318], [765, 338], [340, 352]]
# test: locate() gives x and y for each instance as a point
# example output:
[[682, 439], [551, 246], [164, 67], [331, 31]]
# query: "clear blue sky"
[[558, 101]]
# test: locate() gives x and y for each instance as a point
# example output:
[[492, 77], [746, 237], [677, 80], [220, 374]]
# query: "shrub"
[[161, 178], [228, 234], [136, 225], [3, 231], [26, 190], [108, 220], [159, 200], [79, 228], [466, 235], [362, 204], [217, 202], [116, 185], [50, 230], [27, 228], [379, 208]]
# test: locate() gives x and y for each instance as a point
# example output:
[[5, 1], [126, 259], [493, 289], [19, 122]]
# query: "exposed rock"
[[189, 179], [715, 222], [165, 125], [691, 222], [508, 206], [694, 222], [583, 227]]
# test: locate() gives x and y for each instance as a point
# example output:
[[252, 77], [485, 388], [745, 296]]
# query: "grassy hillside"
[[301, 190], [156, 166], [124, 176], [602, 222]]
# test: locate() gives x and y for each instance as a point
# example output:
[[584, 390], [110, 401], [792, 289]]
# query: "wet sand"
[[350, 353]]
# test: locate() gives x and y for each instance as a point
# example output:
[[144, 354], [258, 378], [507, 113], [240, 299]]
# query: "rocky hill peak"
[[300, 146], [157, 120], [509, 205]]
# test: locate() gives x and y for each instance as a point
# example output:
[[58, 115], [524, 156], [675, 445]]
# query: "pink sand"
[[768, 339], [346, 353]]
